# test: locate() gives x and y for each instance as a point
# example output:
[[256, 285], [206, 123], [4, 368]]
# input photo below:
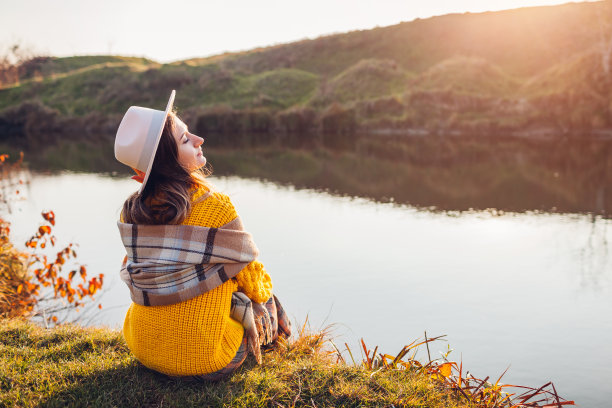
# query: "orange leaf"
[[44, 229], [99, 306], [19, 288], [54, 318], [49, 216], [71, 274], [83, 271], [445, 369]]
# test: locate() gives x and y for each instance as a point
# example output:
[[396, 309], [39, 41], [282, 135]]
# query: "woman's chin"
[[201, 162]]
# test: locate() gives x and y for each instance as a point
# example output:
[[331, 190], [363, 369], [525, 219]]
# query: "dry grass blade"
[[534, 393], [350, 353], [338, 352], [427, 344], [480, 385], [367, 355], [450, 375]]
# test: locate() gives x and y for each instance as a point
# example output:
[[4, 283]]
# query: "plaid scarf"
[[168, 264]]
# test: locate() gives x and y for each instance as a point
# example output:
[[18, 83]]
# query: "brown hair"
[[166, 198]]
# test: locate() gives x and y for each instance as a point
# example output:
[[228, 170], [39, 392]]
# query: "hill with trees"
[[526, 72]]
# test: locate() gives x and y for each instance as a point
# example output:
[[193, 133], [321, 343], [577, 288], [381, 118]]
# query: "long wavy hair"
[[167, 196]]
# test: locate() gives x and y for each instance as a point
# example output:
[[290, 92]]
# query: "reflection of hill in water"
[[446, 173]]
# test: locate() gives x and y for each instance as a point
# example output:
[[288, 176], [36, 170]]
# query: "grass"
[[55, 66], [466, 75], [75, 366], [367, 79], [69, 365]]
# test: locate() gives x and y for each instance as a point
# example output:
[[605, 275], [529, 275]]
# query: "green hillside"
[[467, 75], [47, 66], [509, 71]]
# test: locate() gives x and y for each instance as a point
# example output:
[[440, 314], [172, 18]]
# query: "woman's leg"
[[228, 369]]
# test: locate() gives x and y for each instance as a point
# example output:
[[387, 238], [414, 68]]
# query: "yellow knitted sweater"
[[196, 336]]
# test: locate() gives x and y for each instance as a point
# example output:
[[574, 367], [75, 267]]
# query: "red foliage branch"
[[49, 273]]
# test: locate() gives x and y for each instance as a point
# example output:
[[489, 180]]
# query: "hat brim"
[[150, 165]]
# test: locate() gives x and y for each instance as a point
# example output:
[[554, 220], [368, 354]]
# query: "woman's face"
[[189, 147]]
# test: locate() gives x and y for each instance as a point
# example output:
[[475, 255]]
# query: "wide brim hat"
[[138, 137]]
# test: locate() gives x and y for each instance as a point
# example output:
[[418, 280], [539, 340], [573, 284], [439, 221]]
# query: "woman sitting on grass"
[[200, 297]]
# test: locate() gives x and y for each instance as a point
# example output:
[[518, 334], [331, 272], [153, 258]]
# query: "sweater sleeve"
[[254, 281]]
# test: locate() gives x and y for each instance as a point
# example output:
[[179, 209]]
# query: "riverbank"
[[75, 366]]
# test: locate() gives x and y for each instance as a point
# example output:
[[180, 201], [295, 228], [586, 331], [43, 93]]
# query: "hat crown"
[[138, 137], [135, 143]]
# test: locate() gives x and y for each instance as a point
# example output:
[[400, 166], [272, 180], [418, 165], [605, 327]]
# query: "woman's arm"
[[254, 281]]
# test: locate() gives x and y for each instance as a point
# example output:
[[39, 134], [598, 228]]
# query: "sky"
[[174, 30]]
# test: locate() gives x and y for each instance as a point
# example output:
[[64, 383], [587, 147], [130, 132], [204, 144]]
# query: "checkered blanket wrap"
[[168, 264]]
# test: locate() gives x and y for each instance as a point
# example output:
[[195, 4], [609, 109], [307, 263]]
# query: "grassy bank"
[[74, 366]]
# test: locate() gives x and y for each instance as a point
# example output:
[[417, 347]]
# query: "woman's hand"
[[262, 323]]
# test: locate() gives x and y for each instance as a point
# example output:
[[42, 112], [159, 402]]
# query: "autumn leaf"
[[44, 229], [445, 369], [49, 216], [83, 272]]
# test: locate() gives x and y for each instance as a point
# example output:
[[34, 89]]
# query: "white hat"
[[138, 137]]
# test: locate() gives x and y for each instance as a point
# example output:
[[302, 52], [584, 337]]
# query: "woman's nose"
[[198, 141]]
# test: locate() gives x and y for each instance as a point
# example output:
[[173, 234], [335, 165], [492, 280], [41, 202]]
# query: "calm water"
[[528, 290]]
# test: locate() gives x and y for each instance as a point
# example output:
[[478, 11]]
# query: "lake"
[[528, 290]]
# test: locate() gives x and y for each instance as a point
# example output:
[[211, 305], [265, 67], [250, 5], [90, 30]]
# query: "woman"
[[200, 297]]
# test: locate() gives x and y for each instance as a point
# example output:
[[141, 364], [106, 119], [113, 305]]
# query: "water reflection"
[[566, 175], [594, 257], [446, 173]]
